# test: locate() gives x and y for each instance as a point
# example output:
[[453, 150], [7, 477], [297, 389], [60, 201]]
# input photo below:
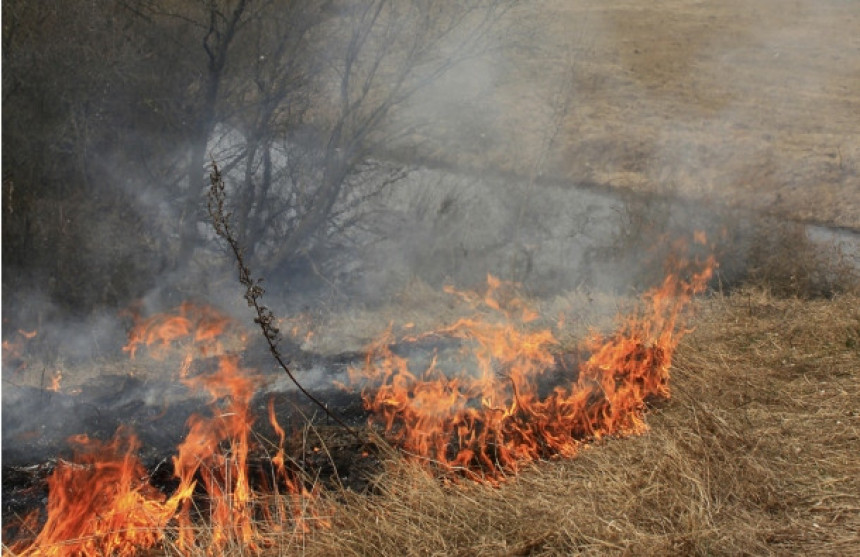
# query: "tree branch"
[[253, 287]]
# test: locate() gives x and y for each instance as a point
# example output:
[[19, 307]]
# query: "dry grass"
[[755, 454], [717, 101]]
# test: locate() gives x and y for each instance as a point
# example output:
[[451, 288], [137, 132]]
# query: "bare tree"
[[308, 93], [378, 54], [78, 97], [111, 103], [216, 24]]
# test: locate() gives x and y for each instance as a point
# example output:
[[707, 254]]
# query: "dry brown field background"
[[752, 104]]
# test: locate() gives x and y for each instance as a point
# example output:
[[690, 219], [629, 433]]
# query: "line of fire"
[[490, 392]]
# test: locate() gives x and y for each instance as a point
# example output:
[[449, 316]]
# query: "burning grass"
[[755, 454], [492, 417]]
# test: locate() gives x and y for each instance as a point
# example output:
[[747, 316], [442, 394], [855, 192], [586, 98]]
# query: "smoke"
[[563, 151]]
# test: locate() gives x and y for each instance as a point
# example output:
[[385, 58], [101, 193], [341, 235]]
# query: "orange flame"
[[56, 378], [101, 503], [482, 423], [224, 472], [14, 349], [197, 326], [299, 327], [303, 504], [489, 422]]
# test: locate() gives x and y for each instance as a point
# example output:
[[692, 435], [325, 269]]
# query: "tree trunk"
[[216, 43]]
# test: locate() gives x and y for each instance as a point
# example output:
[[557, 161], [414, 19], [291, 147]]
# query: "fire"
[[224, 472], [505, 407], [14, 349], [301, 503], [198, 327], [101, 502], [56, 379], [487, 422], [300, 328]]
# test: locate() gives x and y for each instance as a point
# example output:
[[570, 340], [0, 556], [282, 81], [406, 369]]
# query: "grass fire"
[[374, 277], [492, 417], [484, 422]]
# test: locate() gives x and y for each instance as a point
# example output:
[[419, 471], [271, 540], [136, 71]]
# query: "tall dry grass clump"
[[783, 257]]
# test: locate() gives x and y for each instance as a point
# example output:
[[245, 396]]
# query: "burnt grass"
[[37, 424]]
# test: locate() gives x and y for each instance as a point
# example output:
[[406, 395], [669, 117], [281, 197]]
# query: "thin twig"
[[254, 290]]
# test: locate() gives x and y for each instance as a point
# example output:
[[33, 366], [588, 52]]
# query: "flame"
[[15, 348], [299, 327], [101, 502], [11, 349], [279, 458], [302, 504], [224, 470], [198, 327], [489, 422], [56, 378]]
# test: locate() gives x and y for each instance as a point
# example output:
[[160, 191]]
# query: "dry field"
[[756, 453], [755, 104]]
